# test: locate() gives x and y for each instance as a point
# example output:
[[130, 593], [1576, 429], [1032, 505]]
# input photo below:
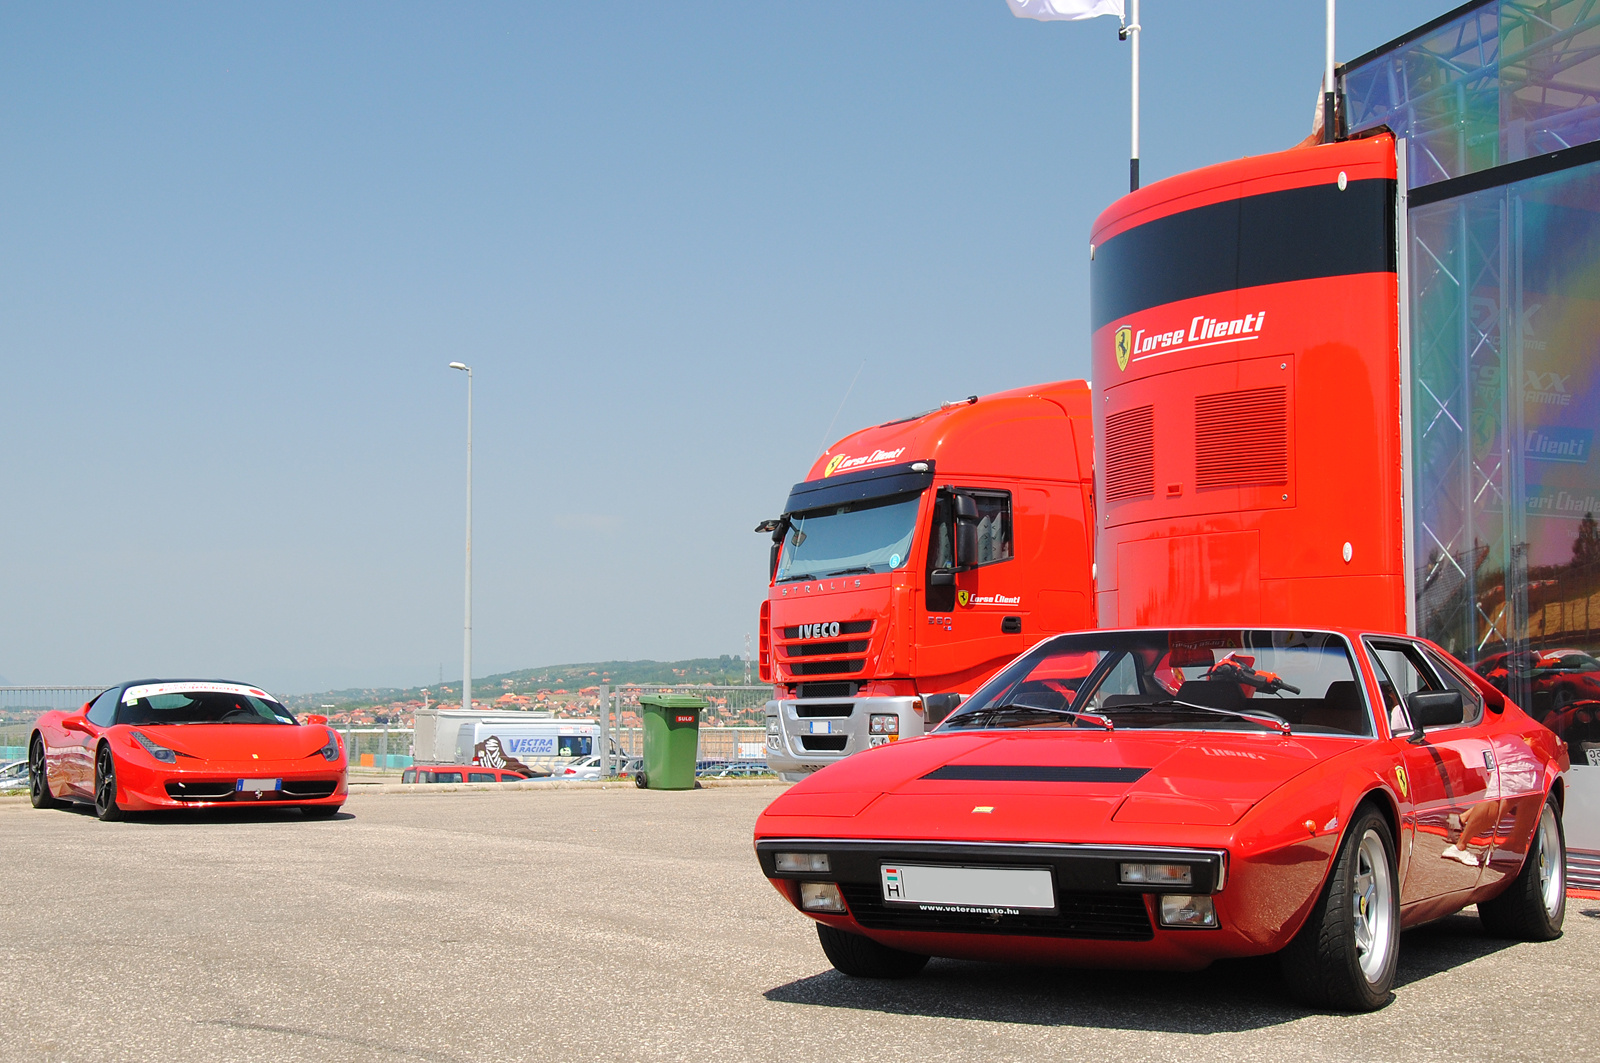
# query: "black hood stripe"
[[1034, 773]]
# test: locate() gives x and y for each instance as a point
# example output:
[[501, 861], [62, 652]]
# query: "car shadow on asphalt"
[[1230, 996], [188, 816]]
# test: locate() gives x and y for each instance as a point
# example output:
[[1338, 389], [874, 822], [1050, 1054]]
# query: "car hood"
[[240, 741], [1035, 784]]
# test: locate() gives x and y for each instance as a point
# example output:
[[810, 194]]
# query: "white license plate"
[[821, 727], [256, 785], [980, 890]]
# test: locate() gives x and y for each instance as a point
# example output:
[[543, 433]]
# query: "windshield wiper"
[[1018, 707], [1266, 719], [791, 579], [868, 569]]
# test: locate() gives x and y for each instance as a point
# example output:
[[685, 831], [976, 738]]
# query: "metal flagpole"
[[1131, 30], [1327, 83]]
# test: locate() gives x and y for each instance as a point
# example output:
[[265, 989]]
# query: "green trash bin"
[[671, 740]]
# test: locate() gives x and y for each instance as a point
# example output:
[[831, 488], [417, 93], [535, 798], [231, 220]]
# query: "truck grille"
[[833, 709], [826, 690], [1241, 439], [826, 649], [826, 667], [823, 743], [846, 627], [1096, 916], [1130, 453]]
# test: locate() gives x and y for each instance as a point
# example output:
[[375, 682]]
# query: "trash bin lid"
[[672, 701]]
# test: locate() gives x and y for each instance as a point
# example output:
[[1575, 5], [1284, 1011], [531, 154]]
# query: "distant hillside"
[[722, 671]]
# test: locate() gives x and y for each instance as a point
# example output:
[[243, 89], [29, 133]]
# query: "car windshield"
[[1569, 661], [870, 536], [1249, 680], [202, 707]]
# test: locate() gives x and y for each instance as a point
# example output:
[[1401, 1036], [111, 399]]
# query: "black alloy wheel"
[[105, 786], [39, 783]]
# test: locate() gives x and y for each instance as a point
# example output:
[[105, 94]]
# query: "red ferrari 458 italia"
[[1166, 798], [158, 744]]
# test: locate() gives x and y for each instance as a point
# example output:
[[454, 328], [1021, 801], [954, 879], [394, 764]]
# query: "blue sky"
[[242, 242]]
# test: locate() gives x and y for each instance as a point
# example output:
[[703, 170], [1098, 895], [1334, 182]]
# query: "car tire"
[[861, 957], [1345, 955], [106, 808], [38, 781], [1534, 905], [641, 782], [319, 811]]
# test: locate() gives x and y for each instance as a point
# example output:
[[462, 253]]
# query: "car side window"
[[481, 776], [103, 713], [1403, 669], [1471, 697]]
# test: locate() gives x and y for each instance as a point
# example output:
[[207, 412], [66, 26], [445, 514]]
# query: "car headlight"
[[156, 749], [330, 752]]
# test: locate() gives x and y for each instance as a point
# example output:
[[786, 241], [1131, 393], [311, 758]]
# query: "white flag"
[[1064, 10]]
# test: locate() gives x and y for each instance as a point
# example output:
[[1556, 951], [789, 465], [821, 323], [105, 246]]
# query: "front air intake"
[[1241, 439], [1130, 453]]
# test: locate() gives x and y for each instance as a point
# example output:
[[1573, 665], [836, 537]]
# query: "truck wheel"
[[38, 782], [1345, 955], [1535, 903], [861, 957]]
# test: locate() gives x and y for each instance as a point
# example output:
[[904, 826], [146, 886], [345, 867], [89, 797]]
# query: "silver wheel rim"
[[1373, 899], [1552, 876]]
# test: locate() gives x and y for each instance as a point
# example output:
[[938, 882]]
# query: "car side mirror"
[[316, 717], [1433, 708], [936, 707], [75, 723]]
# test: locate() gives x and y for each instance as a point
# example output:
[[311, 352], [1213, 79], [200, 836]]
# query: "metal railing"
[[29, 702]]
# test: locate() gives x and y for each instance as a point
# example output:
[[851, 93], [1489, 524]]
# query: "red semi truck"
[[916, 559]]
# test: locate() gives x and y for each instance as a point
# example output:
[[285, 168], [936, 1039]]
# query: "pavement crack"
[[318, 1035]]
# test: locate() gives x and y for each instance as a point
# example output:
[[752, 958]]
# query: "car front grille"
[[308, 788], [200, 791], [1093, 916]]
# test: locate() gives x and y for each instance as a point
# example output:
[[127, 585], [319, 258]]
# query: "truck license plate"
[[979, 890], [821, 727]]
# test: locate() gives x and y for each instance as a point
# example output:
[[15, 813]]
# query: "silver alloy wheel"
[[1552, 876], [1373, 897]]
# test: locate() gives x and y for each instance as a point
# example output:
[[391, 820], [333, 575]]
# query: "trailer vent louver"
[[1130, 453], [1241, 439]]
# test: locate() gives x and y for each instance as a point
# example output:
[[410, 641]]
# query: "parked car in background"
[[14, 777], [742, 770], [580, 770], [464, 773], [185, 743]]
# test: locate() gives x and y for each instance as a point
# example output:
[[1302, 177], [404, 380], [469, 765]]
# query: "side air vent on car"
[[1241, 439]]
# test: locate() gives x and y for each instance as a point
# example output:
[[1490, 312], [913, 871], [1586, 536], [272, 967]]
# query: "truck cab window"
[[994, 526]]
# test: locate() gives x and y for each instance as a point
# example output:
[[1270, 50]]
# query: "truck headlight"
[[821, 897], [155, 749], [884, 723], [1188, 910]]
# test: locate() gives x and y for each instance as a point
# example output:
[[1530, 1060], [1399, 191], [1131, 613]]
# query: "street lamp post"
[[466, 649]]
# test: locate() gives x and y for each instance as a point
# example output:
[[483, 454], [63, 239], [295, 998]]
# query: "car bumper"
[[141, 787], [1098, 920]]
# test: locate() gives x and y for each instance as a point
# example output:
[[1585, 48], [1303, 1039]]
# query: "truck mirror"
[[772, 562], [966, 544], [935, 707], [966, 508]]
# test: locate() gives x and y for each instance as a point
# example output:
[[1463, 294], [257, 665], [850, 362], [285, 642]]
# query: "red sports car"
[[184, 743], [1165, 798]]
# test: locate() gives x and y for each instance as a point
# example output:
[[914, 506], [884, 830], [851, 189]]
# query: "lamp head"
[[458, 365]]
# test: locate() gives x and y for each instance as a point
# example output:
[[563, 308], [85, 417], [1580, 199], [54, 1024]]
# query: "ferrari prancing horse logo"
[[962, 596], [1124, 343], [1402, 781]]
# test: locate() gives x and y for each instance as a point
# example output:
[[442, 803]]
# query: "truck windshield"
[[869, 536]]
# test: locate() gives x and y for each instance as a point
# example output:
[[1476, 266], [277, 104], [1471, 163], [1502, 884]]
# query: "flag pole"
[[1327, 82], [1132, 30]]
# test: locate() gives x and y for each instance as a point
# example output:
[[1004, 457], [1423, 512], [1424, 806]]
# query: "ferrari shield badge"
[[962, 597], [1402, 781], [1124, 343]]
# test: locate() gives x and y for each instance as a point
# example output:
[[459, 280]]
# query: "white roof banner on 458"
[[1065, 10]]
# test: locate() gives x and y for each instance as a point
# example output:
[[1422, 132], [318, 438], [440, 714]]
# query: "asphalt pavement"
[[623, 924]]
